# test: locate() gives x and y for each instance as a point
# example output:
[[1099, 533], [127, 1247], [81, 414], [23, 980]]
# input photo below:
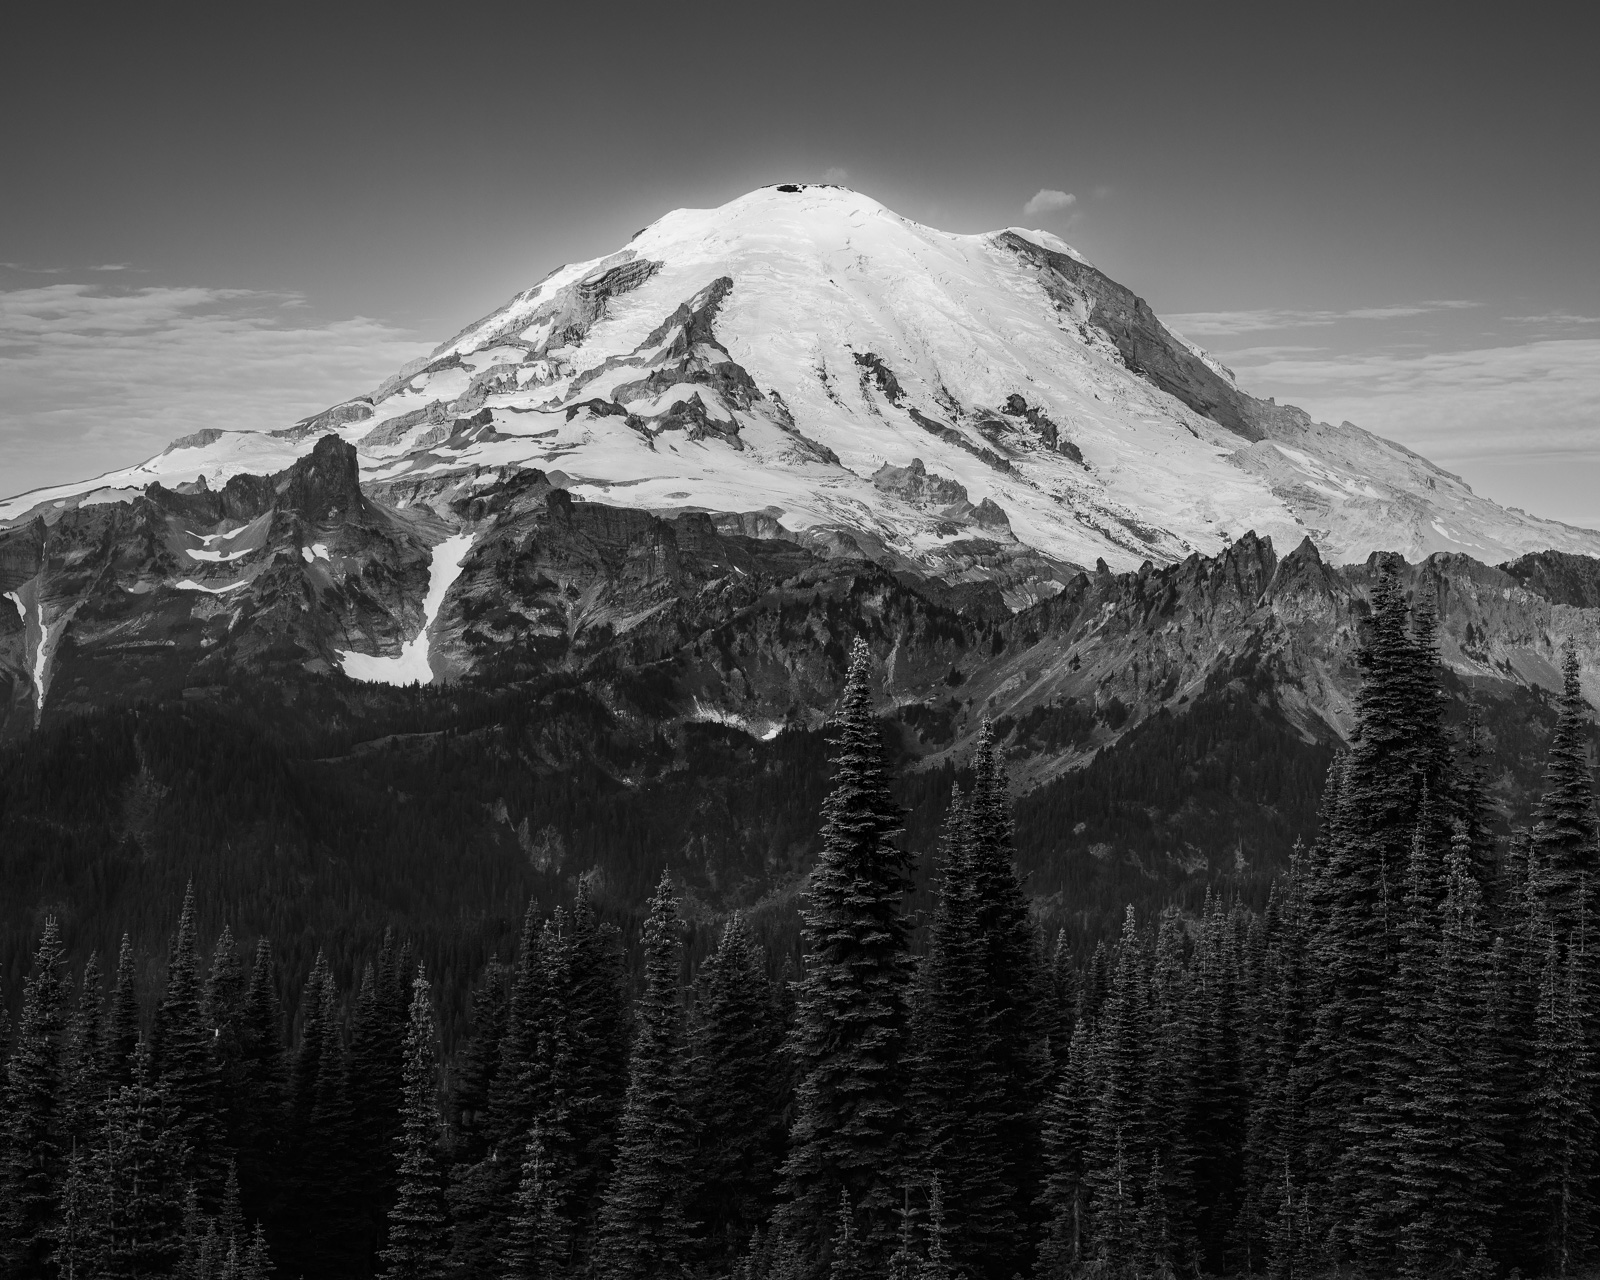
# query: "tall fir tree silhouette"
[[183, 1049], [34, 1113], [739, 1086], [642, 1230], [1019, 1025], [958, 1085], [418, 1245], [849, 1040]]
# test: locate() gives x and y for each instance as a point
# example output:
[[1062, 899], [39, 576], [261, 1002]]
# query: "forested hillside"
[[1369, 1053]]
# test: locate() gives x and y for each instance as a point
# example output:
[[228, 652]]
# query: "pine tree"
[[903, 1262], [738, 1089], [1065, 996], [937, 1265], [34, 1106], [370, 1115], [79, 1245], [417, 1247], [538, 1235], [1018, 1027], [849, 1039], [1565, 842], [86, 1082], [585, 1060], [183, 1050], [256, 1097], [845, 1261], [481, 1193], [1561, 1129], [1171, 1104], [479, 1060], [1370, 819], [122, 1020], [642, 1230], [1066, 1139], [958, 1087], [1220, 1103], [138, 1176], [1274, 1142], [1156, 1246], [1448, 1159], [1117, 1152], [1386, 1118], [222, 1007]]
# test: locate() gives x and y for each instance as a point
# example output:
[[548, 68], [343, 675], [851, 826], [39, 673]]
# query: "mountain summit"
[[978, 406]]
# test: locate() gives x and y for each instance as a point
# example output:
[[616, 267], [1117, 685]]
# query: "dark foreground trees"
[[1391, 1070]]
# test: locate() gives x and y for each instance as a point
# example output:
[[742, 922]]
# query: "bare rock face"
[[261, 589]]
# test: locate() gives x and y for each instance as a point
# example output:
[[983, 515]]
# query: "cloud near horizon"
[[1227, 324], [1047, 200], [92, 378]]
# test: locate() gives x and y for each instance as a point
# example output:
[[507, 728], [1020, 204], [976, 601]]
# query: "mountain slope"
[[982, 407]]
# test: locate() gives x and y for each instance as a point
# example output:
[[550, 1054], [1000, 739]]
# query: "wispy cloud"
[[93, 378], [836, 174], [1049, 201], [1513, 401], [1554, 317], [1231, 323]]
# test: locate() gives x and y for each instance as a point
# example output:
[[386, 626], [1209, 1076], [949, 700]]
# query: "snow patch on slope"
[[411, 667]]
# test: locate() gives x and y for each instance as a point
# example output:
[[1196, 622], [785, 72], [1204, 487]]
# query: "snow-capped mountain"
[[977, 406], [686, 475]]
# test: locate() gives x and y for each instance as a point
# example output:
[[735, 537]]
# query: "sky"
[[1385, 214]]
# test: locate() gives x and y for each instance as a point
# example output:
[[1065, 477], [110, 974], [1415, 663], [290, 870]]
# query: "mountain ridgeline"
[[808, 746], [1384, 1070]]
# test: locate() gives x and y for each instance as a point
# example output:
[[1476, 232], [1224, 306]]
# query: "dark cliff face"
[[614, 687], [1148, 347], [256, 591]]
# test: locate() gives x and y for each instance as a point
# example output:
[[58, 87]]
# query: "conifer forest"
[[1387, 1064]]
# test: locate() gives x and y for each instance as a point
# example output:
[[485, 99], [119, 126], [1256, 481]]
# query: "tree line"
[[1387, 1071]]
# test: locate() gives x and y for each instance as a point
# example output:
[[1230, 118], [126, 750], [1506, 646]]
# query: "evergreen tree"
[[222, 1004], [86, 1081], [481, 1193], [1065, 995], [417, 1246], [1370, 820], [1117, 1152], [958, 1087], [1564, 844], [903, 1262], [849, 1038], [1018, 1026], [642, 1230], [122, 1020], [585, 1062], [479, 1060], [937, 1265], [79, 1246], [34, 1106], [1156, 1246], [138, 1176], [1066, 1139], [1561, 1129], [1171, 1108], [738, 1090], [845, 1253], [183, 1049], [255, 1097], [1448, 1161], [538, 1235]]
